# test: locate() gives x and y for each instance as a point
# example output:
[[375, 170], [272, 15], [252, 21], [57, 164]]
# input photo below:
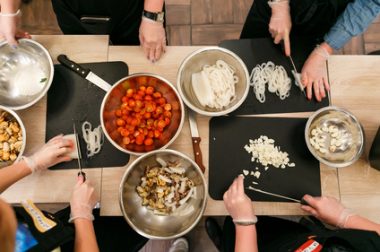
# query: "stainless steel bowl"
[[11, 117], [208, 56], [143, 220], [351, 144], [26, 74]]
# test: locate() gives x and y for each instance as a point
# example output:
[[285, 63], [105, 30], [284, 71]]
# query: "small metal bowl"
[[339, 150], [26, 74], [208, 56], [11, 116], [143, 220]]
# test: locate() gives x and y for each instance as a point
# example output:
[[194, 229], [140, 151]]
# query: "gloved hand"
[[314, 74], [327, 209], [8, 29], [237, 202], [53, 152], [82, 201], [152, 39], [280, 24]]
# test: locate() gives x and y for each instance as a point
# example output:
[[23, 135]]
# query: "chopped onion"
[[93, 138]]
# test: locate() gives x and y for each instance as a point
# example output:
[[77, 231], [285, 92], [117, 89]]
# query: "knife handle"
[[65, 61], [198, 153]]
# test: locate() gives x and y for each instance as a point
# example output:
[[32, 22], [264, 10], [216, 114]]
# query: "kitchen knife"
[[296, 76], [277, 195], [195, 140], [79, 155], [83, 72]]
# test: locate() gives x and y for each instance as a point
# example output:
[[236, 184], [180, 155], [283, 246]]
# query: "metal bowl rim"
[[209, 113], [128, 171], [46, 88], [136, 75], [324, 161], [21, 123]]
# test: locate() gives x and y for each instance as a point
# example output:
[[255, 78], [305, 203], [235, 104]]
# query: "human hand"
[[237, 202], [55, 151], [152, 39], [314, 73], [83, 200], [280, 24], [327, 209], [8, 29]]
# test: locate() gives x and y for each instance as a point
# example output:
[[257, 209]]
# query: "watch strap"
[[155, 16]]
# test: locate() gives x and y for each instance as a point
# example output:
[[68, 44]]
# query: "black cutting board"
[[262, 50], [228, 158], [72, 99]]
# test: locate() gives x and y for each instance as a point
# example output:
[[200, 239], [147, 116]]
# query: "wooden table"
[[356, 185]]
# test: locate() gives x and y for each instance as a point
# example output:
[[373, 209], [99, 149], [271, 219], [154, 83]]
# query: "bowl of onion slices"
[[213, 81], [163, 194]]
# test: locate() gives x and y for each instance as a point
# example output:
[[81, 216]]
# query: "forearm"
[[11, 174], [85, 239], [153, 5], [9, 6], [246, 238], [355, 19], [358, 222]]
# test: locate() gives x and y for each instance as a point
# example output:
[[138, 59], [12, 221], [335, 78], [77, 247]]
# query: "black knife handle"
[[80, 173], [198, 153], [65, 61]]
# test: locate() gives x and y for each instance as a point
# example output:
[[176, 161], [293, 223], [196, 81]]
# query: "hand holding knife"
[[80, 173], [195, 140]]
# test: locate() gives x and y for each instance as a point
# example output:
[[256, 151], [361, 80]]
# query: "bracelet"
[[343, 218], [11, 14], [87, 217], [322, 52], [30, 163], [274, 2], [246, 222]]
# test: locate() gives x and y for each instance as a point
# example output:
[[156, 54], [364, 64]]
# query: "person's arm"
[[151, 33], [241, 210], [13, 173], [280, 23], [9, 17], [357, 16], [354, 20], [53, 152], [331, 211], [82, 202]]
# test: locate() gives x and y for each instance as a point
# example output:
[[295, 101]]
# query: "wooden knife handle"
[[198, 153]]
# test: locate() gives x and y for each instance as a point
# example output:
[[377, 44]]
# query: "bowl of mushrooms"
[[334, 136], [12, 137]]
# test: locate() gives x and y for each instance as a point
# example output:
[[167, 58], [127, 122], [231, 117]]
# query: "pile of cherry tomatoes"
[[142, 116]]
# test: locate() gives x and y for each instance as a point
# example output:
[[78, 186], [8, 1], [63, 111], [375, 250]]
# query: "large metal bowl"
[[351, 140], [26, 74], [113, 101], [143, 220], [208, 56], [11, 116]]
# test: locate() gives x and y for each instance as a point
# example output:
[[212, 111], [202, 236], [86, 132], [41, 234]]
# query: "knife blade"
[[273, 194], [195, 140], [79, 154], [296, 76], [84, 72]]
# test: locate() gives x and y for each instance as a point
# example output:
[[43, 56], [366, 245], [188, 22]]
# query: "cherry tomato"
[[149, 90], [120, 122], [148, 141]]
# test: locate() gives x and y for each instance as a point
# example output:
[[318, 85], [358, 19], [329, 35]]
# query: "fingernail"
[[14, 46]]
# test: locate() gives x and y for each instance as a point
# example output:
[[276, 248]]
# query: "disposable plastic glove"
[[8, 29], [152, 39], [327, 209], [82, 201], [280, 24], [314, 74], [237, 202], [53, 152]]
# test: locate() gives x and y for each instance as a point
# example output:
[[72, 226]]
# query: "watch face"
[[160, 17]]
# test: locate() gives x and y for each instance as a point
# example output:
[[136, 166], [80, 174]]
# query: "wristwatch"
[[155, 16]]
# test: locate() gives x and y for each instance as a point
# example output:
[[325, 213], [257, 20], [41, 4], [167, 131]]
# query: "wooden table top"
[[355, 87]]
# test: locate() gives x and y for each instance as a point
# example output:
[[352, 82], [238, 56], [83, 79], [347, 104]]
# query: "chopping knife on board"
[[195, 140], [302, 201], [80, 173]]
